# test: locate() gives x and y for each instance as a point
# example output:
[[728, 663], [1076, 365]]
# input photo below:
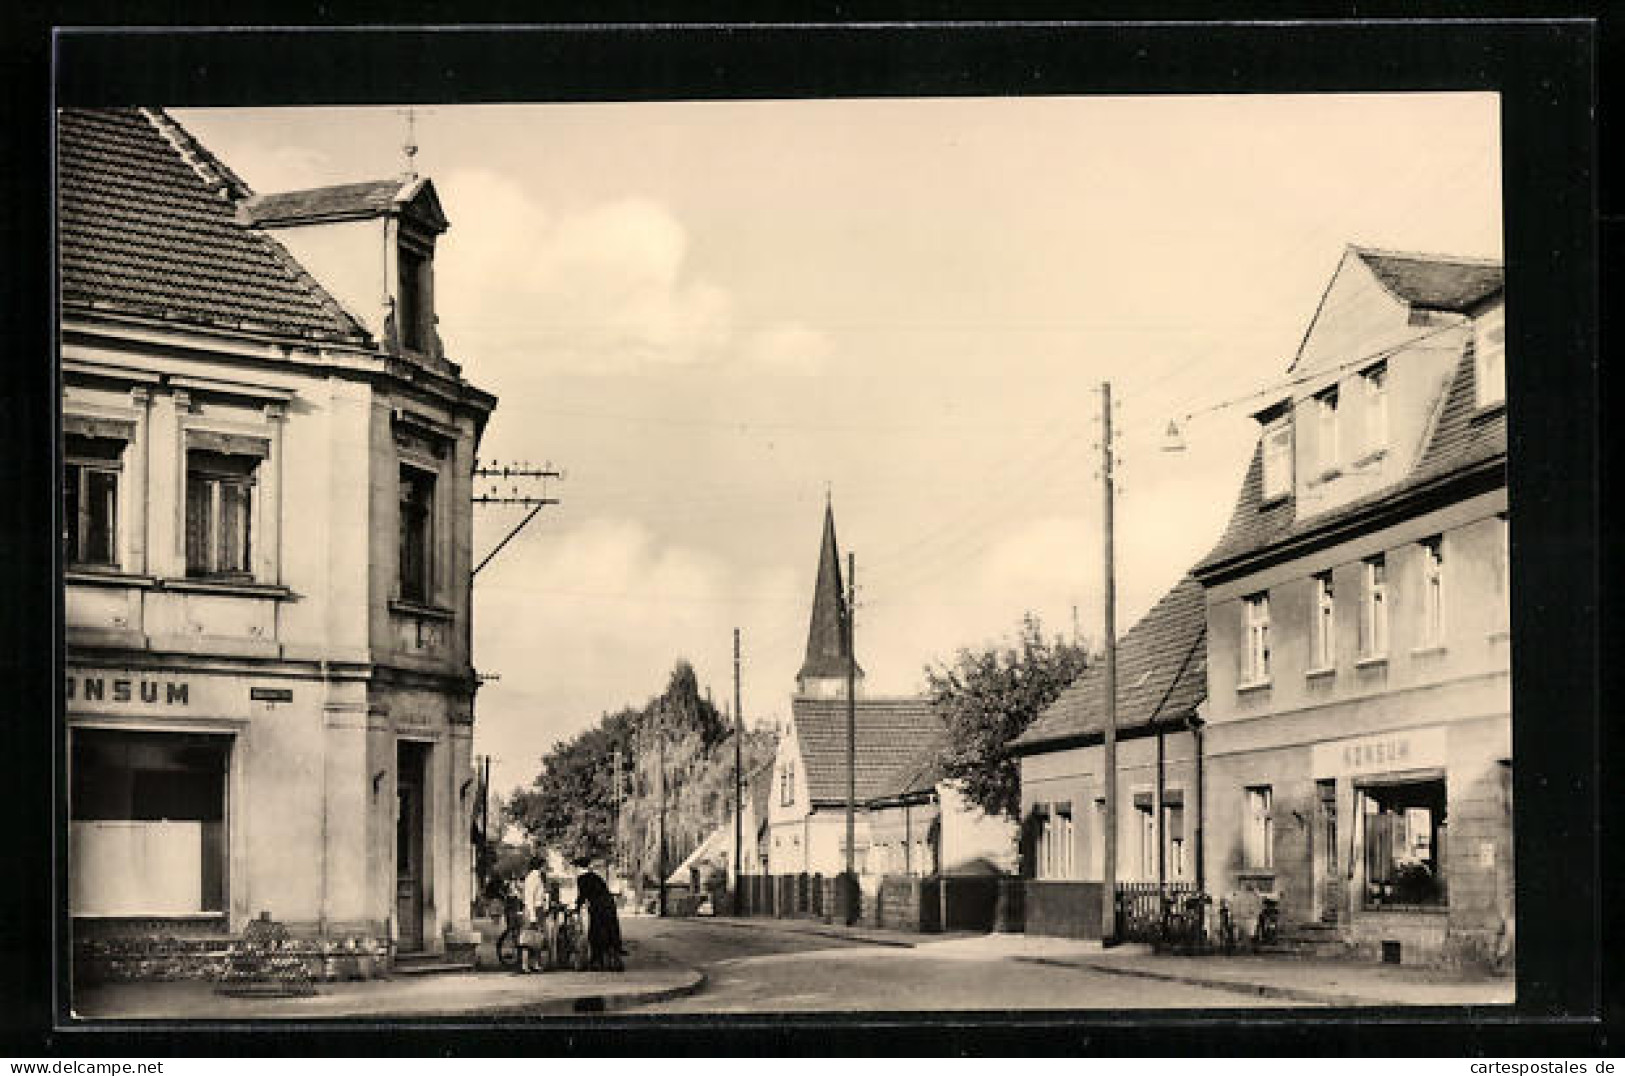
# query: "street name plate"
[[271, 694]]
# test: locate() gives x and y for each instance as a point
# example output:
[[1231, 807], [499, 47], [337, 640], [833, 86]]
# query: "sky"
[[713, 315]]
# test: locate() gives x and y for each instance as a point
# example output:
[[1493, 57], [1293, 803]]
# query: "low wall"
[[1063, 909]]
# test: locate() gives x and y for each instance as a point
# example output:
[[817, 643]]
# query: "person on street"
[[603, 925], [533, 938]]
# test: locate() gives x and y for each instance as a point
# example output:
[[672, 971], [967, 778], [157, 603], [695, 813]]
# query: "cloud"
[[791, 349], [604, 288], [593, 618]]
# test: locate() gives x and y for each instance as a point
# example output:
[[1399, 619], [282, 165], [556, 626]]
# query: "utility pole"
[[494, 476], [616, 839], [851, 737], [1108, 901], [739, 779], [660, 754]]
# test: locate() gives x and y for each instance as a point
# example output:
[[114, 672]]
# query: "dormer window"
[[1489, 352], [1375, 381], [414, 299], [1277, 459], [1326, 431]]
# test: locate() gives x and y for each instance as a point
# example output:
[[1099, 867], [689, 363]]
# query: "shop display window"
[[1404, 829]]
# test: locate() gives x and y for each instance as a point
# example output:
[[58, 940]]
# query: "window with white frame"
[[1260, 827], [1255, 667], [220, 513], [1145, 828], [1277, 459], [1173, 832], [1375, 381], [1097, 840], [1054, 844], [1433, 591], [1326, 429], [90, 491], [1324, 632], [1374, 609], [1489, 354], [1503, 564]]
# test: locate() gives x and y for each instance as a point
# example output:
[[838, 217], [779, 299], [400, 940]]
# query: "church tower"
[[829, 650]]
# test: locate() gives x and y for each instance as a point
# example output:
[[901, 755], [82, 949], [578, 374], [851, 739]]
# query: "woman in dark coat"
[[603, 925]]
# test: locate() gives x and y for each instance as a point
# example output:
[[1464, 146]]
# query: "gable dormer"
[[1372, 370], [371, 245]]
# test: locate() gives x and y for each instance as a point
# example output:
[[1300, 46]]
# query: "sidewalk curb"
[[580, 1004], [1234, 986], [817, 931], [599, 1003]]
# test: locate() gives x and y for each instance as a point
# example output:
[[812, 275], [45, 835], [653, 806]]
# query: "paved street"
[[761, 969]]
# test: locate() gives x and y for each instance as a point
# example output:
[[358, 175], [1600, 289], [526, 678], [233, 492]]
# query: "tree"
[[987, 698], [571, 805]]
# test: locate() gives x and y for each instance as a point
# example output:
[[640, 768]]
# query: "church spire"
[[828, 650]]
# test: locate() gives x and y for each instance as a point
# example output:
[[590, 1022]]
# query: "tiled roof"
[[1461, 438], [1161, 675], [890, 733], [827, 650], [350, 200], [145, 230], [920, 773], [1434, 282]]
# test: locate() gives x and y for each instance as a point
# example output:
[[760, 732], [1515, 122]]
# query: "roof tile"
[[143, 230], [1161, 675], [890, 733]]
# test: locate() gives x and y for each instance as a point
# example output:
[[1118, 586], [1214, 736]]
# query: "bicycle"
[[1227, 928], [513, 919], [1267, 930]]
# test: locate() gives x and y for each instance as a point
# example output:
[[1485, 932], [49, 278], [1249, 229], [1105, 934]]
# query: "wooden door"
[[409, 848], [1328, 891]]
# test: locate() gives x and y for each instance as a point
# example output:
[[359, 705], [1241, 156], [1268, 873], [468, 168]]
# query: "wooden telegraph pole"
[[1108, 897], [660, 753], [739, 780], [851, 881]]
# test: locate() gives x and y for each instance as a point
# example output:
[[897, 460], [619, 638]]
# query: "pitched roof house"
[[896, 780], [266, 485], [1327, 692]]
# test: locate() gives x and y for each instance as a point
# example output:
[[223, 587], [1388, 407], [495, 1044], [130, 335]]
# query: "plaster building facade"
[[1161, 690], [1320, 712], [267, 469], [1359, 730]]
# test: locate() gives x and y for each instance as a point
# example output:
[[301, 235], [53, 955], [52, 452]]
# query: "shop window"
[[1256, 655], [1489, 354], [1326, 430], [1433, 592], [90, 489], [1054, 843], [147, 813], [1260, 828], [1324, 643], [1374, 609], [1375, 381], [1278, 460], [1403, 826], [220, 514], [417, 535]]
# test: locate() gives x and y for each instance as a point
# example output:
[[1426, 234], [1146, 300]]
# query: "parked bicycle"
[[513, 921], [1267, 930]]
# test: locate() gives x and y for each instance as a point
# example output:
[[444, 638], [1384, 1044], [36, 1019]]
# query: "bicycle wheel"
[[508, 948]]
